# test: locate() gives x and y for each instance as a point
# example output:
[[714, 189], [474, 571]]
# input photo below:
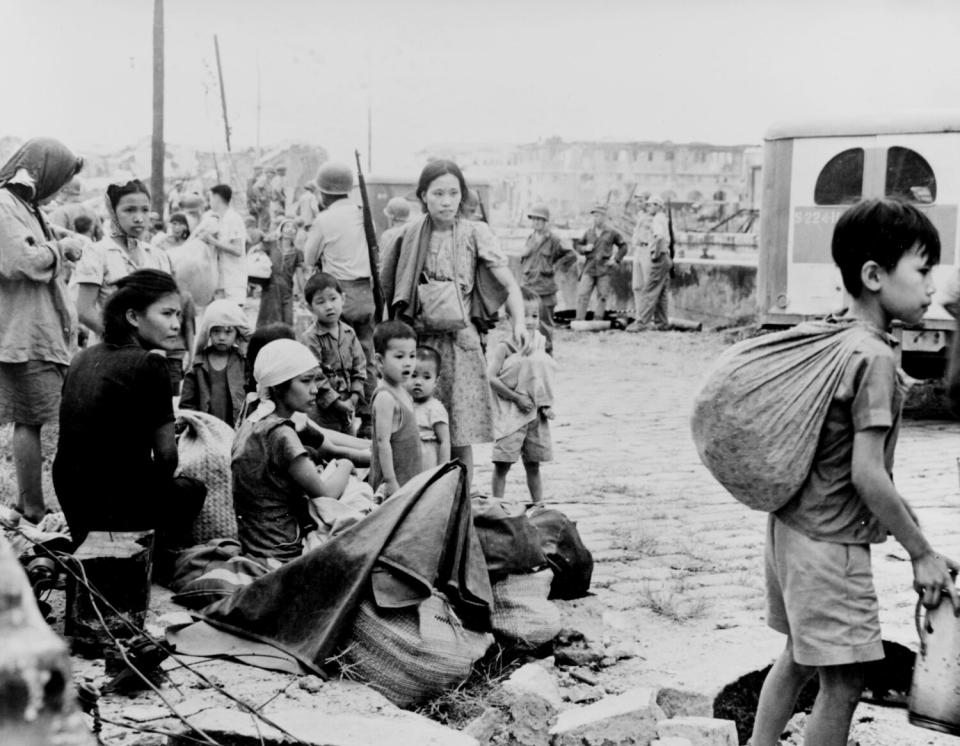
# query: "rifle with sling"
[[373, 250]]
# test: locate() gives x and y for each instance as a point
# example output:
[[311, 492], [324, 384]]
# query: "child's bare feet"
[[547, 413]]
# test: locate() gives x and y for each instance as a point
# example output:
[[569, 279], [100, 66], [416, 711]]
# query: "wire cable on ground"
[[250, 709]]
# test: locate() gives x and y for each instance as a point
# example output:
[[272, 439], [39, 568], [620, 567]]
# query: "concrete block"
[[533, 679], [118, 565], [627, 719], [681, 702], [319, 729], [700, 731]]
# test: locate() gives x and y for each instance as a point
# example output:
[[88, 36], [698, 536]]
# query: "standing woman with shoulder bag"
[[450, 276]]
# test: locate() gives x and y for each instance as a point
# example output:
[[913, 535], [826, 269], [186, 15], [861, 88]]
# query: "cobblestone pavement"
[[679, 562]]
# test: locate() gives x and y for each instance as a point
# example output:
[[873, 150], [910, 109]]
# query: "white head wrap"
[[279, 361], [222, 312]]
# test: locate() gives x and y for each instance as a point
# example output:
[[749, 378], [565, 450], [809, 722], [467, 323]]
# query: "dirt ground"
[[678, 571]]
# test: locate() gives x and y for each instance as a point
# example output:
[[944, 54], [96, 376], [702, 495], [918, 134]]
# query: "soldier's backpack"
[[757, 418]]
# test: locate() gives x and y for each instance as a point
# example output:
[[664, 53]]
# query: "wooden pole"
[[259, 152], [223, 93], [157, 145]]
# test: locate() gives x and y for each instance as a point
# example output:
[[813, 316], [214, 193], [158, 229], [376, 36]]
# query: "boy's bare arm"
[[442, 429], [931, 571], [383, 410]]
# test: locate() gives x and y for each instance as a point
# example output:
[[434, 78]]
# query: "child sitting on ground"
[[396, 440], [433, 423], [215, 383], [820, 590], [272, 473], [337, 349], [523, 404]]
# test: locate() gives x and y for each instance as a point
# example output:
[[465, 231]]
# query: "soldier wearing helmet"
[[543, 255], [397, 213], [652, 263], [337, 244], [604, 248]]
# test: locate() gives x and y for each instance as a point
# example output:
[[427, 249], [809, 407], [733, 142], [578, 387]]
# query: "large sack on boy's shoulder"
[[570, 560], [522, 616], [414, 653], [195, 267], [758, 416], [204, 452], [510, 543]]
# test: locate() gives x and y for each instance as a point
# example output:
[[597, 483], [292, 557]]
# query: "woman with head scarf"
[[459, 262], [37, 320], [276, 300], [272, 472], [117, 453], [119, 253], [215, 383]]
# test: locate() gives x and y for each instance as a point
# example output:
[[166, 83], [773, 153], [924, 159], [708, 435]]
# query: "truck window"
[[909, 176], [841, 180]]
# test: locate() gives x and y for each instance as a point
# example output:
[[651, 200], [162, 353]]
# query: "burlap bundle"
[[758, 416], [204, 452], [414, 653], [522, 615]]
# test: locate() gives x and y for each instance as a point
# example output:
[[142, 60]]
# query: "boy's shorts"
[[532, 442], [822, 596]]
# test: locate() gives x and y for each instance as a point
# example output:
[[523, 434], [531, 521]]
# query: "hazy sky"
[[447, 71]]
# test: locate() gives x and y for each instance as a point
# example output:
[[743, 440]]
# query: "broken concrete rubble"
[[314, 728], [700, 731], [627, 719]]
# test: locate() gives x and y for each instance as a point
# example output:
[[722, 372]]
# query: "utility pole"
[[259, 152], [223, 93], [157, 145]]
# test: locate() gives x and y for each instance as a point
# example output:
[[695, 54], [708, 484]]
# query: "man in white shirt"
[[223, 230], [337, 244]]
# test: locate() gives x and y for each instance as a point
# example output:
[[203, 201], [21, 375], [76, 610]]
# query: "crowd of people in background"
[[108, 331]]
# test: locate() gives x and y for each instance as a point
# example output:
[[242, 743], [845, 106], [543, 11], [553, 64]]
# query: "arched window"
[[841, 180], [909, 176]]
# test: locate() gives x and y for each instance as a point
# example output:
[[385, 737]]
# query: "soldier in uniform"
[[653, 254], [604, 248], [543, 255], [337, 245]]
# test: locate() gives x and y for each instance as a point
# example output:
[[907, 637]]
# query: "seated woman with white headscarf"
[[272, 473]]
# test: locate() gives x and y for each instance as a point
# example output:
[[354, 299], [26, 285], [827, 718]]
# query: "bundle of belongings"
[[407, 598], [758, 416]]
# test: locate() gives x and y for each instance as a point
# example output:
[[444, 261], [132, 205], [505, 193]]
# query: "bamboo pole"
[[157, 149]]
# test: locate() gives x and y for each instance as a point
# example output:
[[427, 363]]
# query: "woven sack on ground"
[[412, 654], [204, 451], [522, 616], [757, 418], [568, 557]]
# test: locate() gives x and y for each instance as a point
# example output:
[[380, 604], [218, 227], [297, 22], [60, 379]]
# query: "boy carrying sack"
[[804, 424]]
